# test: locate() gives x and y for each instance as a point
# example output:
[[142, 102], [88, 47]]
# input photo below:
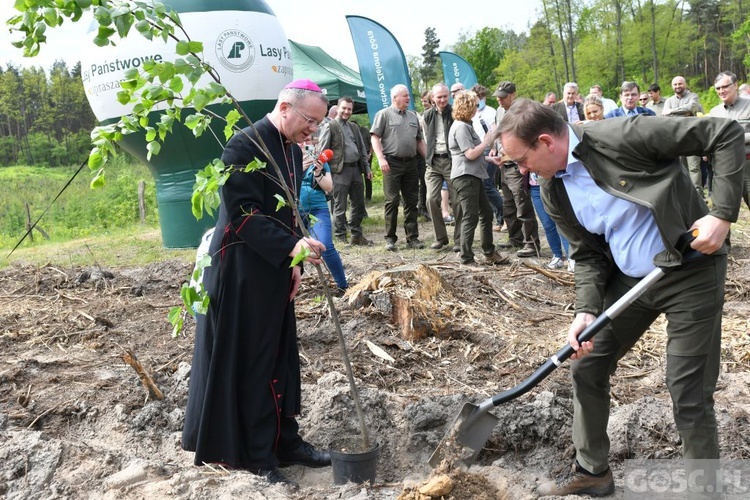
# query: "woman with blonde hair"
[[467, 174], [593, 108]]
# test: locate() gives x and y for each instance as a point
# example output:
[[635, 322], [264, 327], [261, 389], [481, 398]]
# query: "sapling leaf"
[[176, 318], [280, 202], [301, 256], [196, 204], [182, 48], [254, 165]]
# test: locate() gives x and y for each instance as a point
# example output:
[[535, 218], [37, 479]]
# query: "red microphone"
[[325, 156]]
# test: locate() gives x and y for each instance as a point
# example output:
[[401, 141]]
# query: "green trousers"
[[692, 298], [475, 209]]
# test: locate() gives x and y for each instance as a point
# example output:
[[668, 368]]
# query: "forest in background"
[[45, 119], [604, 42]]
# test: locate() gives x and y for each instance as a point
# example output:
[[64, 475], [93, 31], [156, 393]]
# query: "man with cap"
[[397, 141], [245, 387], [518, 208]]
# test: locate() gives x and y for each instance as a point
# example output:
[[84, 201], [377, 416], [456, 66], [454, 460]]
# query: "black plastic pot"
[[352, 465]]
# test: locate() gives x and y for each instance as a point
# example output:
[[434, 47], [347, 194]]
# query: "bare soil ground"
[[75, 421]]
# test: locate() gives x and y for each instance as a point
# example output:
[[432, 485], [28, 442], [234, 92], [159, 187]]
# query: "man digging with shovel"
[[617, 191]]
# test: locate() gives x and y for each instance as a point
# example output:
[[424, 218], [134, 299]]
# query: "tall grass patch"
[[79, 211]]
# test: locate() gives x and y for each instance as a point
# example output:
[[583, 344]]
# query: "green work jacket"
[[637, 159]]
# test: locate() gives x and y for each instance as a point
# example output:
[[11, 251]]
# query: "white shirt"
[[487, 114], [608, 105]]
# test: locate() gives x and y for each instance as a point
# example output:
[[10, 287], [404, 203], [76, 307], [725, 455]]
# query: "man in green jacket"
[[618, 193]]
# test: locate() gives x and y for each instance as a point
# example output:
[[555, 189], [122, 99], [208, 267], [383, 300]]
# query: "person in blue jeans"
[[557, 242], [316, 182]]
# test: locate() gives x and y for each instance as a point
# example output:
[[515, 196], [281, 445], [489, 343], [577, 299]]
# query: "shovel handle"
[[604, 319]]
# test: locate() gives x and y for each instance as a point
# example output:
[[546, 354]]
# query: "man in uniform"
[[397, 141], [685, 103]]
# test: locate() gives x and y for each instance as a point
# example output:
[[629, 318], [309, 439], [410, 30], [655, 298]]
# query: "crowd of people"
[[615, 190]]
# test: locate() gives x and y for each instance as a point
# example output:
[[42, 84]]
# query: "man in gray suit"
[[569, 108], [617, 193]]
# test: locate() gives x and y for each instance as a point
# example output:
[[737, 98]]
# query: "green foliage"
[[79, 211], [603, 42], [486, 49]]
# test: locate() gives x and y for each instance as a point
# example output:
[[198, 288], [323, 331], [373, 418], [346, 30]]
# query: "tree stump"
[[415, 296]]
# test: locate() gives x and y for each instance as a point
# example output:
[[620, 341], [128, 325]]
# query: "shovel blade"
[[466, 437]]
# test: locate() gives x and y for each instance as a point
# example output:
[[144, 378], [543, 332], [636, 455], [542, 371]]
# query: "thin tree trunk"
[[571, 40], [562, 40], [553, 57], [654, 53], [142, 200], [618, 37]]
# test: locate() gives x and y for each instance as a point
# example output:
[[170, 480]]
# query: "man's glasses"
[[723, 87], [310, 121], [523, 158]]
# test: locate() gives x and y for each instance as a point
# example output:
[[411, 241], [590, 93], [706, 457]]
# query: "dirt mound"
[[76, 422]]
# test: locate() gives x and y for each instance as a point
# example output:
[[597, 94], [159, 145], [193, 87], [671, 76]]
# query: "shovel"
[[474, 424]]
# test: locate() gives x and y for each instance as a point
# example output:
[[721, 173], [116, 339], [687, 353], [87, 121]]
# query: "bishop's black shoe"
[[274, 476], [305, 455]]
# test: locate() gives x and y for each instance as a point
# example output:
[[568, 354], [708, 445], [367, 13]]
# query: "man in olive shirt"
[[685, 103], [736, 108], [617, 193], [397, 141], [656, 102]]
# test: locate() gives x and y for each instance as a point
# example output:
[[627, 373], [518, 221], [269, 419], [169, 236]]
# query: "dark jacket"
[[637, 159], [334, 140], [639, 110], [430, 122], [562, 110]]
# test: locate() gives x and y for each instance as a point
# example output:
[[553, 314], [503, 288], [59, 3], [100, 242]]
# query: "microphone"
[[325, 156]]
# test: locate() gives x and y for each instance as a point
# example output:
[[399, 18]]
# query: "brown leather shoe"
[[578, 482], [496, 259], [359, 240]]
